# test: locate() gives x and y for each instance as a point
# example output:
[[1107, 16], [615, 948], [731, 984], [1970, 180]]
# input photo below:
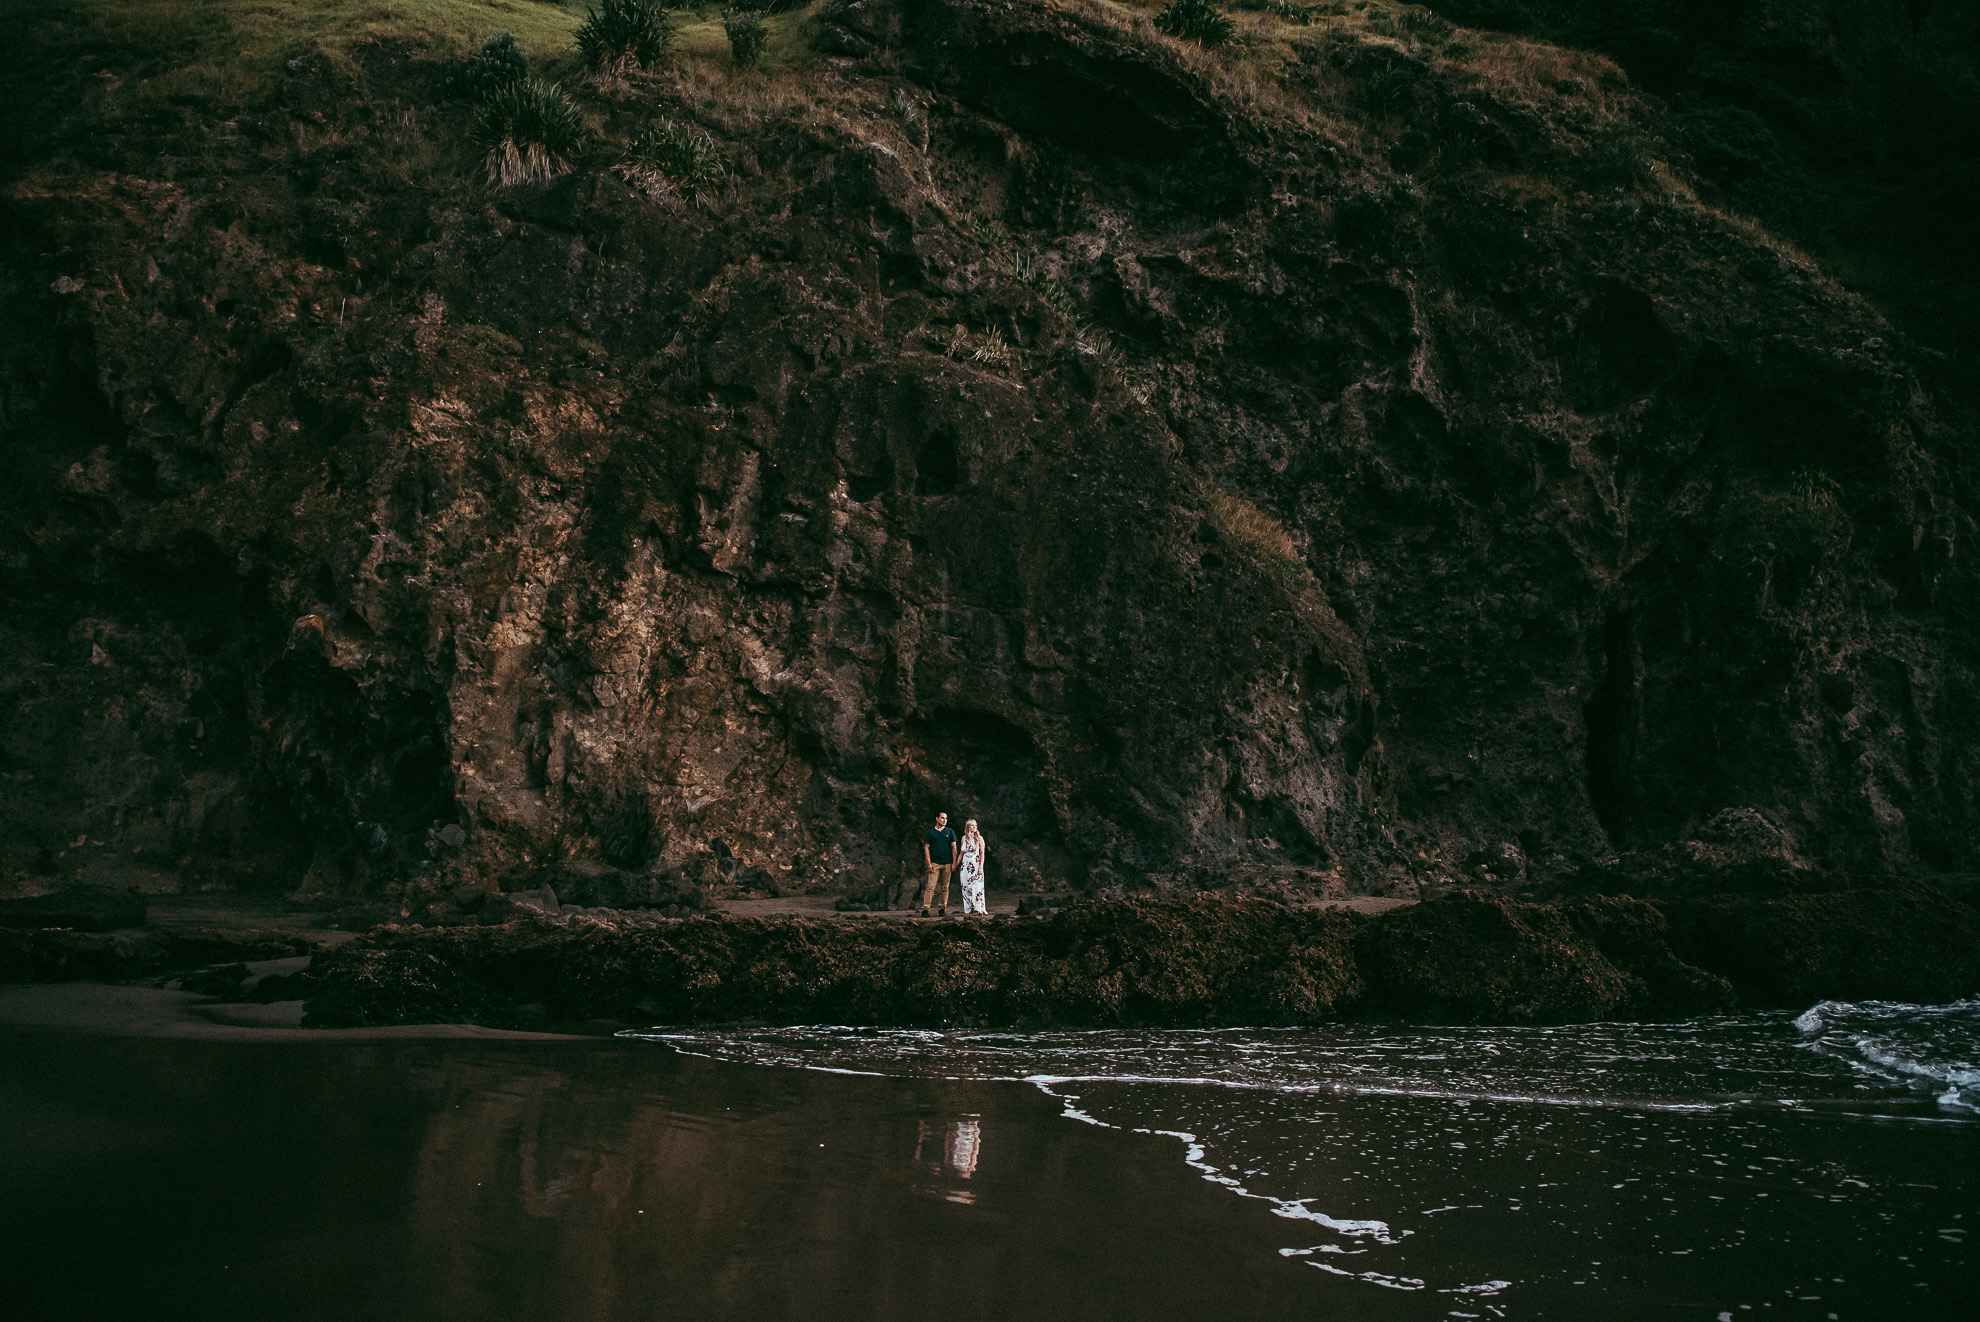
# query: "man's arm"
[[927, 859]]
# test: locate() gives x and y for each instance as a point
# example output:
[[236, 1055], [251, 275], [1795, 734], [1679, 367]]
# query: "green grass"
[[619, 36], [231, 50], [529, 129]]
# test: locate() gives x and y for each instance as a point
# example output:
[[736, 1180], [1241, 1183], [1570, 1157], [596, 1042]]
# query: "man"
[[938, 852]]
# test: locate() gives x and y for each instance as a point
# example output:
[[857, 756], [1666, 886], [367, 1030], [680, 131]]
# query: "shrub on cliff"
[[499, 62], [1380, 211], [667, 157], [747, 34], [1411, 23], [625, 34], [529, 129], [1199, 21]]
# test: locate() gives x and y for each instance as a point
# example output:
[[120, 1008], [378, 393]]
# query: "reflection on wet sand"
[[965, 1139], [950, 1148], [596, 1182], [603, 1192]]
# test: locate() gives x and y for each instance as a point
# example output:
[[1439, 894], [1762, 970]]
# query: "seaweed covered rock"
[[1485, 959], [1635, 936], [59, 955], [360, 987], [1463, 958], [79, 908], [1130, 962], [1907, 943], [63, 955]]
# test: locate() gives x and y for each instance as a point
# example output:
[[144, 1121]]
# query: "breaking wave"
[[1878, 1055], [1932, 1049]]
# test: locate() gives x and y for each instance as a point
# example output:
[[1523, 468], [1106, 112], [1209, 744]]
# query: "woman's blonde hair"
[[969, 827]]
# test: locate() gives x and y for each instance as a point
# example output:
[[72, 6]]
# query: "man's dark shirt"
[[942, 845]]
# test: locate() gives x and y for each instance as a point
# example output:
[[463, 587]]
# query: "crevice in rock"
[[1611, 716], [937, 471], [1053, 101], [1621, 350], [989, 768], [863, 487]]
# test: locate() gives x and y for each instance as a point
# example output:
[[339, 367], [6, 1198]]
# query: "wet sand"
[[820, 906], [318, 1179]]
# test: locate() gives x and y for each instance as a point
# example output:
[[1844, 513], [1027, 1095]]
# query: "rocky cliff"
[[1355, 456]]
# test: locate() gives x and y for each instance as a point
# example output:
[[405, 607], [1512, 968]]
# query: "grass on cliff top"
[[1584, 98], [231, 52], [233, 45], [163, 76], [231, 49]]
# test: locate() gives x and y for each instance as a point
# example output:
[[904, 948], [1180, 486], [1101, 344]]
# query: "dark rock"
[[220, 981], [81, 908], [373, 838], [1485, 959], [55, 955], [615, 889], [1906, 943], [360, 986], [280, 987], [182, 947], [507, 907]]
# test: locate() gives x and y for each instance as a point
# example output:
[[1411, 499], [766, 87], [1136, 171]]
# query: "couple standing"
[[938, 850]]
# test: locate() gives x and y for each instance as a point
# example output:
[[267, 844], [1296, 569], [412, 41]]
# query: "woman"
[[974, 854]]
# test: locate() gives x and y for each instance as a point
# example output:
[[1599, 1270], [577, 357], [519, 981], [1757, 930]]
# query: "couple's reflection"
[[951, 1149]]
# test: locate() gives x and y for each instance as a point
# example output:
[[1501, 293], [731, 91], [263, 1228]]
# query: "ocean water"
[[1822, 1165]]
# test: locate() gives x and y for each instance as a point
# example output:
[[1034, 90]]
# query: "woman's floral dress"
[[971, 874]]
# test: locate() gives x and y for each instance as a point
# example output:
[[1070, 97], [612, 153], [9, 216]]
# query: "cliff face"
[[1850, 126], [1346, 460]]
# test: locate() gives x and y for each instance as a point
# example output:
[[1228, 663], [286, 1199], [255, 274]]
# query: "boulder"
[[616, 889], [221, 981]]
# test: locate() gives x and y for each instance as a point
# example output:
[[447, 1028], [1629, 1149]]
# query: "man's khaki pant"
[[936, 872]]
